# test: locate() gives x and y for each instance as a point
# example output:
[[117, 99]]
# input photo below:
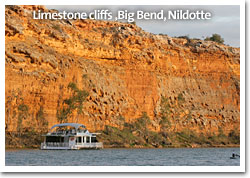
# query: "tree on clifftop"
[[215, 37]]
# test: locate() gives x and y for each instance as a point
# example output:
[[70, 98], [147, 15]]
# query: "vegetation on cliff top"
[[215, 37]]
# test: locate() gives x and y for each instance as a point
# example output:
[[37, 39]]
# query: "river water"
[[124, 157]]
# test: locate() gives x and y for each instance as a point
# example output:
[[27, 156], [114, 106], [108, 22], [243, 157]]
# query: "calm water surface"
[[124, 157]]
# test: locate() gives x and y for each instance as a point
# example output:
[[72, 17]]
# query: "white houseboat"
[[70, 136]]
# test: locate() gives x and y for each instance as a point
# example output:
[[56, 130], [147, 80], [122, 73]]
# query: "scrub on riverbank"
[[113, 137]]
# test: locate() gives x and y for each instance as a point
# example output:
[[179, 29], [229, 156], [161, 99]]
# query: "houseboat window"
[[54, 139], [79, 140], [93, 139], [87, 139]]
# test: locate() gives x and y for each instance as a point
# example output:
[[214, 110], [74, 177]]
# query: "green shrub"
[[165, 106], [117, 137], [57, 27], [184, 37], [22, 114], [40, 116], [165, 122], [180, 97], [234, 137], [215, 37], [74, 102], [23, 108]]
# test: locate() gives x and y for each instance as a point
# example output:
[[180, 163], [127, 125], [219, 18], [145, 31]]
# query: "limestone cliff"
[[125, 70]]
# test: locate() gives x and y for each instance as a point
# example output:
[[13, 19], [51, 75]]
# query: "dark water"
[[124, 157]]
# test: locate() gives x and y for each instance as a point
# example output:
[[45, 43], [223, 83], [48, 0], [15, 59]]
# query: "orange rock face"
[[125, 70]]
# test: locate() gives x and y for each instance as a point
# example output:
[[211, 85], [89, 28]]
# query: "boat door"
[[72, 141]]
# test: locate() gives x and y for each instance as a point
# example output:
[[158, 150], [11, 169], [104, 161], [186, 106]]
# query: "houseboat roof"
[[69, 124]]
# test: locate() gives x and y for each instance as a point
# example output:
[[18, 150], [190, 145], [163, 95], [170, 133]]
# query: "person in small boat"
[[235, 155]]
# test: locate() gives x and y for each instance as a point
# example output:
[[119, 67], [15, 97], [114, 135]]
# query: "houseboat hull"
[[45, 146]]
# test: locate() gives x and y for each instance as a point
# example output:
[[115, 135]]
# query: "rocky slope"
[[127, 72]]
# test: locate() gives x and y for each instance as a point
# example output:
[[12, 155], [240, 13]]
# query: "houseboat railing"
[[91, 145], [54, 144], [84, 145]]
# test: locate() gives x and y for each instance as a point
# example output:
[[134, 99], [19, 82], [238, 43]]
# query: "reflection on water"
[[124, 157]]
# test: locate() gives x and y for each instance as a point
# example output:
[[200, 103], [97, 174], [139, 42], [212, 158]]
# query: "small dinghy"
[[235, 156]]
